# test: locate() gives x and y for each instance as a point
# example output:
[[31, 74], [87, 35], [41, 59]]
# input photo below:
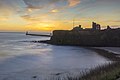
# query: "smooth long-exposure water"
[[21, 59]]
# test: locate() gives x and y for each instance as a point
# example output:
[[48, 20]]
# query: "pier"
[[44, 35]]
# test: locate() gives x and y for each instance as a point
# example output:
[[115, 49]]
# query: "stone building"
[[96, 26]]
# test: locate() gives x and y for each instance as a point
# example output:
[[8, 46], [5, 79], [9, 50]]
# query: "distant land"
[[94, 37]]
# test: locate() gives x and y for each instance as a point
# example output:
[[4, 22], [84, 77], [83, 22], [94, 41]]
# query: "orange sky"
[[48, 15]]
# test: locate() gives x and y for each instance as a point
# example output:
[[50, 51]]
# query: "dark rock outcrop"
[[86, 37]]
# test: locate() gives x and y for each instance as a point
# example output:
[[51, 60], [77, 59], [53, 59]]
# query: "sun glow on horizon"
[[48, 15]]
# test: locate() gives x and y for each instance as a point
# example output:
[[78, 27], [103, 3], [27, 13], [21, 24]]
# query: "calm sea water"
[[21, 59]]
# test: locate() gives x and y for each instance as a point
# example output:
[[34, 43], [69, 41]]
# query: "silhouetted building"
[[93, 25], [96, 26], [77, 28]]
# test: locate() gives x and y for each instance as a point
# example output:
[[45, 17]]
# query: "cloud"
[[30, 6], [28, 18], [73, 3], [51, 4], [38, 4], [3, 18], [54, 11], [5, 10], [116, 26], [117, 21], [10, 7], [38, 18]]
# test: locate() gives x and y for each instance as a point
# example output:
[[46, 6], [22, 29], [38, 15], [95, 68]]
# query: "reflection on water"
[[24, 59]]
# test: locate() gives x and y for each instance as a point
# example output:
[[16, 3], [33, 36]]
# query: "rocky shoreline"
[[110, 71], [109, 55]]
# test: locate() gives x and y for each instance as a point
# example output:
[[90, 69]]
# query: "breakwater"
[[39, 35]]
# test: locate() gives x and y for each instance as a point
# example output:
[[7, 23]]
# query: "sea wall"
[[86, 37]]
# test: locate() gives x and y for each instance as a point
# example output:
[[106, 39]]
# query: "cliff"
[[110, 38]]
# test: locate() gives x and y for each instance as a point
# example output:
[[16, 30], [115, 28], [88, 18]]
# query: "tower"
[[96, 26], [93, 25]]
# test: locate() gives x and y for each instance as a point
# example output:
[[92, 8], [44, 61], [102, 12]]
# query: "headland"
[[90, 37]]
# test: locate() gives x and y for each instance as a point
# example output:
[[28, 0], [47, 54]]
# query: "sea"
[[21, 59]]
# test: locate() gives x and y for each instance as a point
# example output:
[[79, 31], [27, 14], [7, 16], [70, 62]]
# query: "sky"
[[48, 15]]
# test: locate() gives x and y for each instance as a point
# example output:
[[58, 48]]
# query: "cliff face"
[[87, 37]]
